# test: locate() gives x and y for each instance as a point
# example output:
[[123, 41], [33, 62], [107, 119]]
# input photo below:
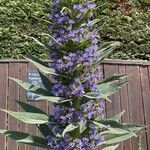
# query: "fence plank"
[[135, 100], [22, 97], [32, 128], [3, 101], [43, 105], [145, 83], [113, 107], [125, 106], [13, 95]]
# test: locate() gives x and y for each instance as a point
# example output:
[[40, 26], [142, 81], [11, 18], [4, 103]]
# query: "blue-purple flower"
[[73, 53]]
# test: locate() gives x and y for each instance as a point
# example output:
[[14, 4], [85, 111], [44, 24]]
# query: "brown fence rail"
[[134, 98]]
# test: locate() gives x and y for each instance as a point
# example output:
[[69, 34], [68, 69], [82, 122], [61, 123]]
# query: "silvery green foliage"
[[78, 120]]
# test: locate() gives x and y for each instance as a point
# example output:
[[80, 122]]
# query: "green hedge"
[[18, 19], [129, 25]]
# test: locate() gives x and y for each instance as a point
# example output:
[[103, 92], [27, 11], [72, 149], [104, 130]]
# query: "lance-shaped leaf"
[[134, 127], [52, 99], [115, 127], [95, 95], [44, 129], [30, 118], [118, 116], [106, 51], [45, 81], [31, 88], [52, 38], [105, 90], [113, 78], [69, 128], [113, 138], [82, 126], [43, 67], [91, 95], [111, 147], [37, 41], [112, 127], [93, 22], [43, 93], [115, 118], [29, 108], [24, 138]]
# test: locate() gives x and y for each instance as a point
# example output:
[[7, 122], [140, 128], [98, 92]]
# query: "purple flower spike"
[[75, 59]]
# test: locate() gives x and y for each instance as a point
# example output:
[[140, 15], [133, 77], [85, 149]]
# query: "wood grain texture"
[[13, 91], [22, 97], [3, 101], [135, 101], [134, 98], [124, 102], [32, 128], [113, 107]]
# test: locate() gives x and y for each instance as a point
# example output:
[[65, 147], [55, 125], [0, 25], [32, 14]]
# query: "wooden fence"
[[134, 98]]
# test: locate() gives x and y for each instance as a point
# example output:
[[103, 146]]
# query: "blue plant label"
[[33, 77]]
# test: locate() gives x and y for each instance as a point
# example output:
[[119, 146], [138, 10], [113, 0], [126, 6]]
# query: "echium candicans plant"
[[78, 121]]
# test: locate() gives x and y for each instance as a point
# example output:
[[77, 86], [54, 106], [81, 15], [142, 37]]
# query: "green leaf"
[[30, 108], [118, 116], [41, 66], [111, 147], [44, 129], [37, 41], [106, 51], [30, 118], [52, 99], [69, 128], [52, 38], [116, 128], [31, 88], [112, 127], [91, 95], [45, 81], [113, 138], [107, 89], [115, 77], [134, 127], [82, 126], [26, 138], [43, 93]]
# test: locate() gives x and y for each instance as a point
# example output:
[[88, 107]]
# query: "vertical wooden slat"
[[145, 84], [3, 101], [135, 100], [43, 105], [32, 128], [22, 97], [125, 106], [13, 95], [113, 107], [102, 76], [101, 72]]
